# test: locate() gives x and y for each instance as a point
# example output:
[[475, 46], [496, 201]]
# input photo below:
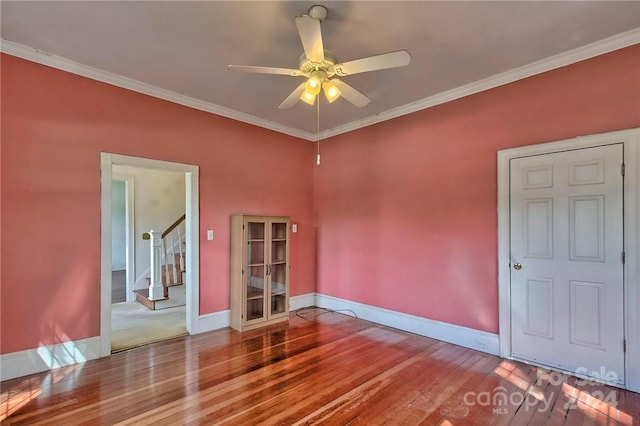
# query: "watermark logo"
[[538, 396], [499, 399], [591, 378]]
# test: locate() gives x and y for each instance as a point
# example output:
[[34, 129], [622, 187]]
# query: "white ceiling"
[[185, 47]]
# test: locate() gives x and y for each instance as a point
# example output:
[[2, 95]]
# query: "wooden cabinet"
[[259, 271]]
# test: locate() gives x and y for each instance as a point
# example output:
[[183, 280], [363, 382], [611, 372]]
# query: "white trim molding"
[[54, 61], [302, 301], [192, 279], [630, 140], [451, 333], [632, 265], [222, 319], [560, 60], [36, 360], [213, 321], [192, 246], [43, 358], [601, 47]]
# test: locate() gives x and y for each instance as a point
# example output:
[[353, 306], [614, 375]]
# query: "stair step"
[[142, 296]]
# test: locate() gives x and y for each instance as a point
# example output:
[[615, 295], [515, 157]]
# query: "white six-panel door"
[[566, 260]]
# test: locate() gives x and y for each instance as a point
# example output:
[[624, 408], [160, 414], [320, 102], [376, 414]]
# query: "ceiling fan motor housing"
[[307, 65]]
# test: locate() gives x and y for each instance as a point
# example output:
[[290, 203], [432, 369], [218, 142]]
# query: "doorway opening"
[[184, 180]]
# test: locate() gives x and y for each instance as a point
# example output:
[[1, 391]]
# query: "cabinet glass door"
[[278, 268], [256, 268]]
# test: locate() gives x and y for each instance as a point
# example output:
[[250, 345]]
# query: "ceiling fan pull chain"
[[318, 133]]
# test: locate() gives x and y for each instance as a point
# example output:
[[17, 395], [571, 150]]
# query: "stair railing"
[[167, 260], [173, 239]]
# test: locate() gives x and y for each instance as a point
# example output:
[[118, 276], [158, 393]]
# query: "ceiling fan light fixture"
[[314, 83], [331, 92], [312, 87], [308, 97]]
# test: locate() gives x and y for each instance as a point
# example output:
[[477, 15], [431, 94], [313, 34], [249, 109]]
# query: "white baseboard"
[[222, 319], [213, 321], [458, 335], [302, 301], [30, 361], [44, 358]]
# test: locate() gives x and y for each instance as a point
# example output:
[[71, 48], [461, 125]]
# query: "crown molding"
[[560, 60], [64, 64]]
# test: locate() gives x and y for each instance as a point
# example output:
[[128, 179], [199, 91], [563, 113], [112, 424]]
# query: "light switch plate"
[[294, 227], [210, 234]]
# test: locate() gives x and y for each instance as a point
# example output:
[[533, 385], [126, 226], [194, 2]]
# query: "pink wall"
[[54, 126], [406, 209]]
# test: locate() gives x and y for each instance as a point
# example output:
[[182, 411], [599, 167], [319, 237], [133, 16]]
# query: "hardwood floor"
[[326, 369], [118, 286]]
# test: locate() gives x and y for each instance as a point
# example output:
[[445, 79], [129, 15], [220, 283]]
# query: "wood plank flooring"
[[326, 369], [118, 286]]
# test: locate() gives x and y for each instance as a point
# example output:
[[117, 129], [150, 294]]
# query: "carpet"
[[177, 297], [134, 325]]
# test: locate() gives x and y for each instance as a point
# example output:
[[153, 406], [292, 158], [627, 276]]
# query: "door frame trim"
[[192, 260], [630, 139]]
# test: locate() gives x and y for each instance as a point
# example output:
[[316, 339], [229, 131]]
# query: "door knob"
[[517, 266]]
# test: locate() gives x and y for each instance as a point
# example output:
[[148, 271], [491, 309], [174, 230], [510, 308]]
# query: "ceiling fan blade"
[[293, 97], [399, 58], [351, 94], [265, 70], [311, 37]]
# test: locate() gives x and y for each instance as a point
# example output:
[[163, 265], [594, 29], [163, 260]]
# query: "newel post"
[[156, 290]]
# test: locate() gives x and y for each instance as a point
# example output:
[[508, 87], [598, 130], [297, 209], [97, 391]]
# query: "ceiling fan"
[[320, 66]]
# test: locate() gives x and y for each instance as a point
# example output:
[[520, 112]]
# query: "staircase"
[[170, 252]]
